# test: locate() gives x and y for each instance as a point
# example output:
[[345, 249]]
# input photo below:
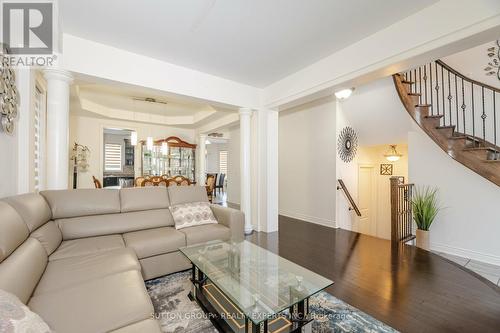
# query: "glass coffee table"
[[245, 288]]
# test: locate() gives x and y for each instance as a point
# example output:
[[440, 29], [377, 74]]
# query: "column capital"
[[245, 111], [58, 74]]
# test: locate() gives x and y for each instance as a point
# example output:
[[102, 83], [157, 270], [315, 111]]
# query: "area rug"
[[177, 314]]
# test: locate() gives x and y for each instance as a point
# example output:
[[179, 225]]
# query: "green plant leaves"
[[425, 207]]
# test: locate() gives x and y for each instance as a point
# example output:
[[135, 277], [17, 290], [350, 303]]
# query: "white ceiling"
[[256, 42], [118, 102], [472, 63]]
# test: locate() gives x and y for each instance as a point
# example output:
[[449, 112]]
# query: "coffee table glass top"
[[260, 283]]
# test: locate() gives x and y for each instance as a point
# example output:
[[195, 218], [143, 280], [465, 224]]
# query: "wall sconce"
[[392, 154]]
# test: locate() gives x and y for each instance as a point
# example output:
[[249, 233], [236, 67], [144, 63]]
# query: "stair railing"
[[401, 210], [465, 104], [352, 204]]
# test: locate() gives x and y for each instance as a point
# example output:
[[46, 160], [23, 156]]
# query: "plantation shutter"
[[112, 157]]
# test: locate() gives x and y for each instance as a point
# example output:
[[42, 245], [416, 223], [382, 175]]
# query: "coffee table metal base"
[[227, 317]]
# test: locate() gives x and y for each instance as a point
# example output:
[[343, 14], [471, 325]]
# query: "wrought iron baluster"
[[411, 85], [425, 82], [437, 89], [464, 106], [442, 93], [495, 126], [473, 114], [483, 115], [456, 103], [420, 83], [431, 88], [449, 99]]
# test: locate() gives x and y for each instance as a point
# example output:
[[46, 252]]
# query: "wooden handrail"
[[349, 197], [460, 75]]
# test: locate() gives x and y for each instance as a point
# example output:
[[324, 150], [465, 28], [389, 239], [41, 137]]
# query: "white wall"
[[307, 151], [469, 224], [88, 131], [8, 164], [213, 150], [233, 166]]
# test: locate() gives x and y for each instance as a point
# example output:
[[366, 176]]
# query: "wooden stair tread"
[[445, 127], [414, 94], [467, 137], [407, 82], [479, 148], [423, 105], [439, 116]]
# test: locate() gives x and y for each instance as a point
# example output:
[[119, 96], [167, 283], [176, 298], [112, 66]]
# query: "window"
[[223, 161], [112, 157], [39, 140]]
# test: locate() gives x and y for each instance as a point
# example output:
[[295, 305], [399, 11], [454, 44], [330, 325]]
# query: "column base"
[[248, 232]]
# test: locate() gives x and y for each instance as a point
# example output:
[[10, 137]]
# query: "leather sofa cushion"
[[184, 194], [205, 233], [32, 207], [64, 273], [83, 202], [21, 271], [84, 246], [152, 242], [49, 236], [99, 305], [145, 326], [143, 198], [98, 225], [13, 231], [153, 267]]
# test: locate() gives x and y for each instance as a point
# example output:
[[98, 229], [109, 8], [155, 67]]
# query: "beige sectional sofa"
[[79, 258]]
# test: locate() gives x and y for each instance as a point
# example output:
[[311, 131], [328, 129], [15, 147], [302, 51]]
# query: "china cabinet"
[[169, 157]]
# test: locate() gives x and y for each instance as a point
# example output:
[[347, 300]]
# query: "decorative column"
[[202, 159], [58, 82], [245, 184]]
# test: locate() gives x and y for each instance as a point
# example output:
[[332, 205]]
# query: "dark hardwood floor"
[[405, 287]]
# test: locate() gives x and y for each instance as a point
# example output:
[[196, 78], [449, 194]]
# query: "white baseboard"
[[313, 219], [479, 256]]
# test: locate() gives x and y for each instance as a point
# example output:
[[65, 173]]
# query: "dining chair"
[[220, 184], [97, 183], [210, 186]]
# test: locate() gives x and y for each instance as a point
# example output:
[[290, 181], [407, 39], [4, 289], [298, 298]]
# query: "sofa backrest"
[[22, 258], [98, 212], [184, 194]]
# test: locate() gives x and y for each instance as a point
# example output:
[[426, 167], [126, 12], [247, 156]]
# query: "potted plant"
[[425, 208]]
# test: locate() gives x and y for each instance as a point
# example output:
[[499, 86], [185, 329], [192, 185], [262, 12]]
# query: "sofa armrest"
[[232, 218]]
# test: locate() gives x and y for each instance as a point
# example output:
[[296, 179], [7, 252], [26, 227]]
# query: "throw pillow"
[[192, 214], [15, 317]]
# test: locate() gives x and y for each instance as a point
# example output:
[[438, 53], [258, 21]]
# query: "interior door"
[[366, 200]]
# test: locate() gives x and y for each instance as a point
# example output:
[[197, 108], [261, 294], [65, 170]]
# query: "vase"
[[423, 239]]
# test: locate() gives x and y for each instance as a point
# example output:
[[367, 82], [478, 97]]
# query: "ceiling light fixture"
[[344, 93], [392, 154], [207, 142]]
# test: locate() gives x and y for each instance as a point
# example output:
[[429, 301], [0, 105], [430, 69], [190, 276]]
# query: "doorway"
[[367, 200]]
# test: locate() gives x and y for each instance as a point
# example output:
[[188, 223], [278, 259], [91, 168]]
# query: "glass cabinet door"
[[180, 160]]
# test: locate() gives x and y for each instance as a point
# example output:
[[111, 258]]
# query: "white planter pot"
[[423, 239]]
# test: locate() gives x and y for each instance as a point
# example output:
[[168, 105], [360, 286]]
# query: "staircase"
[[458, 113]]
